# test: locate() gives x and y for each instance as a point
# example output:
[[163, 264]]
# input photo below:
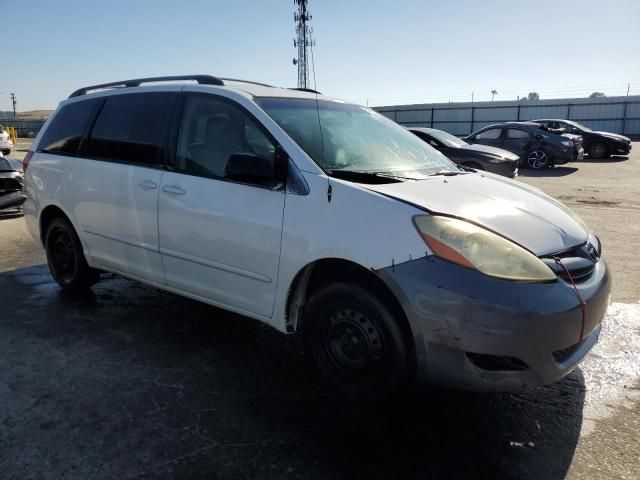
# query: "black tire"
[[6, 152], [598, 150], [538, 159], [66, 258], [477, 166], [356, 341]]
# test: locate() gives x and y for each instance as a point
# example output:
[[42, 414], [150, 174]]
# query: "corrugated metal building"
[[612, 114]]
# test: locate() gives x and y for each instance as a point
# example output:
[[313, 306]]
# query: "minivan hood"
[[498, 152], [510, 208]]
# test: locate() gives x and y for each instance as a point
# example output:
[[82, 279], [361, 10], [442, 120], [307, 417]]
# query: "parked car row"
[[316, 215], [502, 147], [596, 144]]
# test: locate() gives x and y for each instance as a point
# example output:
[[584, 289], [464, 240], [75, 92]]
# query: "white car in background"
[[6, 144]]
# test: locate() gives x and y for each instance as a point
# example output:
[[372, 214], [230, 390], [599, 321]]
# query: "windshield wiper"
[[445, 173], [391, 175], [364, 176]]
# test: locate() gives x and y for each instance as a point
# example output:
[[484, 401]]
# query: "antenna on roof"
[[302, 42]]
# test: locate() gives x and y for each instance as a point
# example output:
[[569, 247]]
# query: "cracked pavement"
[[128, 381]]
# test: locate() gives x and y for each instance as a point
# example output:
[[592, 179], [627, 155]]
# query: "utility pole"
[[302, 41], [14, 102]]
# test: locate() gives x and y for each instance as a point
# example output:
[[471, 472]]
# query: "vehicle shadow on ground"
[[558, 171], [127, 380], [613, 159]]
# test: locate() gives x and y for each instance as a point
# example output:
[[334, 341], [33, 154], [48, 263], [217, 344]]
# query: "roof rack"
[[308, 90], [246, 81], [201, 79]]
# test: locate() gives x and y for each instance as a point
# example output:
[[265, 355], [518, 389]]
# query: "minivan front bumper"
[[475, 332]]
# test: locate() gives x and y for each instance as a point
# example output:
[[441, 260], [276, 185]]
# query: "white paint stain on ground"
[[612, 369]]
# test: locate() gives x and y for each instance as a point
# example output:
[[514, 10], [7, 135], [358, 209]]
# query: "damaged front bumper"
[[11, 189], [475, 332]]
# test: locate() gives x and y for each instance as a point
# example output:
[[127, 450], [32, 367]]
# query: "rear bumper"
[[569, 155], [11, 189], [476, 332], [13, 199]]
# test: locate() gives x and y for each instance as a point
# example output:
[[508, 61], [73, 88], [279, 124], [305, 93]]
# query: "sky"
[[375, 52]]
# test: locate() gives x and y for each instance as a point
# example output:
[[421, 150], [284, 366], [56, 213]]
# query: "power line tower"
[[302, 42], [14, 102]]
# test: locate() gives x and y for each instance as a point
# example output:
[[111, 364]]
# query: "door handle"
[[147, 184], [173, 189]]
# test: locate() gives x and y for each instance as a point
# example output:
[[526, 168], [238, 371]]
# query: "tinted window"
[[491, 134], [517, 133], [131, 128], [65, 131], [212, 130]]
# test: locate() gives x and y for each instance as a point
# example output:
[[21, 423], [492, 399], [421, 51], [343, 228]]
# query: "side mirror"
[[433, 143], [254, 169]]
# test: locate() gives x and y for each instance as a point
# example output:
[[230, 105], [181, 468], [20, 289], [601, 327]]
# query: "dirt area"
[[132, 382]]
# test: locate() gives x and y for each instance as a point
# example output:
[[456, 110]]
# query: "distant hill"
[[30, 115]]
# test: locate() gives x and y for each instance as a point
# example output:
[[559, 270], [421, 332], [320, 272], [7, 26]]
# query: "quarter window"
[[212, 130], [516, 133], [131, 128], [491, 134], [64, 133]]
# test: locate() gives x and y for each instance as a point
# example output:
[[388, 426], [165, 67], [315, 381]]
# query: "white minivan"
[[316, 215]]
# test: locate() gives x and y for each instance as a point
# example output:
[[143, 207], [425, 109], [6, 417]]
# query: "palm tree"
[[493, 94]]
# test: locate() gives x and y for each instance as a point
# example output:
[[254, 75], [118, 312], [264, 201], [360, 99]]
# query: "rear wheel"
[[355, 340], [66, 258], [538, 159], [598, 150], [6, 152]]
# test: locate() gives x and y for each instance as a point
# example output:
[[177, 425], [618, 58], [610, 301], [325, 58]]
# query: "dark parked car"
[[596, 144], [480, 157], [11, 182], [535, 144]]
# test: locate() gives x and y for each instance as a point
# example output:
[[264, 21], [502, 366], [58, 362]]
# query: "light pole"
[[493, 94]]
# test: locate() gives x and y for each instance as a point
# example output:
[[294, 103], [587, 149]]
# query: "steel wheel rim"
[[63, 253], [354, 344], [537, 159]]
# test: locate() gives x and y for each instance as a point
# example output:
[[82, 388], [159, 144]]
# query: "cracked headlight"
[[474, 247]]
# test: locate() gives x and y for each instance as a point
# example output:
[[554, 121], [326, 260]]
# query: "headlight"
[[567, 143], [474, 247]]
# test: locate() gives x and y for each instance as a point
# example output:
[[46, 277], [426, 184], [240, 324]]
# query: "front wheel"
[[356, 341], [66, 258], [598, 150], [538, 159]]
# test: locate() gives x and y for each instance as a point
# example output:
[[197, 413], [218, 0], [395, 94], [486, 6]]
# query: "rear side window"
[[131, 128], [65, 131], [491, 134], [517, 133]]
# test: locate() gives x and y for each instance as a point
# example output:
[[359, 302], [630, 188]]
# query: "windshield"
[[341, 136], [446, 138]]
